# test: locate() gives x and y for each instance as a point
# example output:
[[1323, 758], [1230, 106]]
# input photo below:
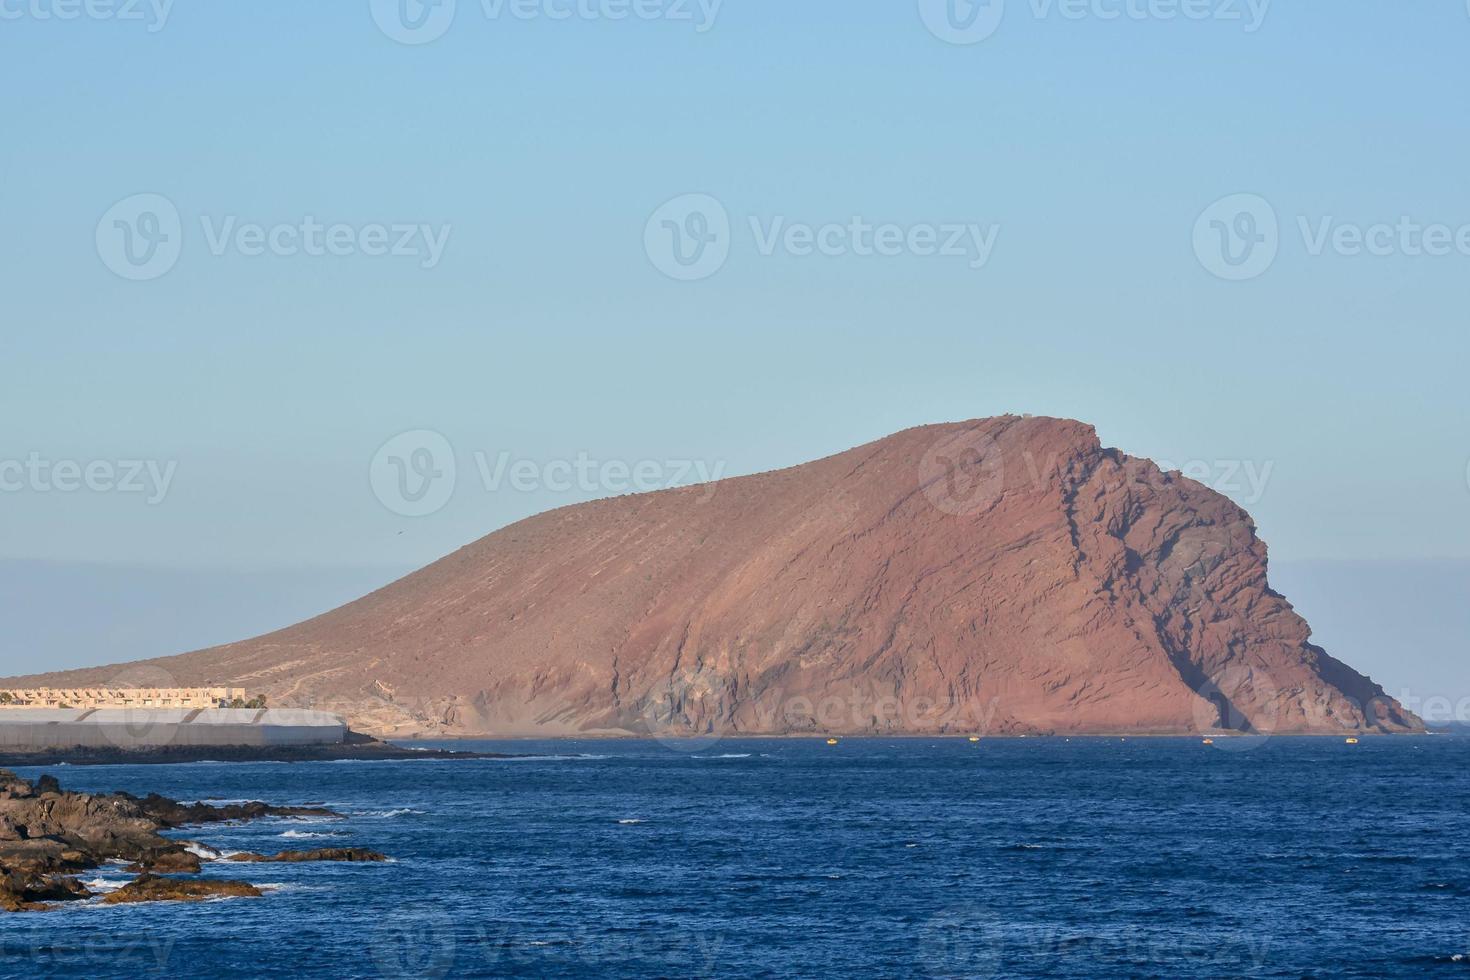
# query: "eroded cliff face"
[[1005, 575]]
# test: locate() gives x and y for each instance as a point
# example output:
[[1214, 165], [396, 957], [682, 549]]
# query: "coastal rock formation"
[[171, 813], [1009, 575], [152, 888], [48, 836], [319, 854]]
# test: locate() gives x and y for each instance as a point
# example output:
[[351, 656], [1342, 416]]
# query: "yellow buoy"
[[831, 741], [1352, 741], [1209, 741], [974, 738]]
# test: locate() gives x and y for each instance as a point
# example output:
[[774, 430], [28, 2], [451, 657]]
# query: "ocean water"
[[1294, 857]]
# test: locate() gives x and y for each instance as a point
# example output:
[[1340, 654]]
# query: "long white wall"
[[33, 728]]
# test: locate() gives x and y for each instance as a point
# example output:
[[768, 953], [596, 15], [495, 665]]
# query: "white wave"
[[306, 834], [727, 755], [630, 821], [103, 885], [202, 851], [401, 811]]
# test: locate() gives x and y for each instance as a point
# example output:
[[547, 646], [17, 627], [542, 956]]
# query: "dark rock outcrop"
[[319, 854], [171, 813], [153, 888], [48, 836]]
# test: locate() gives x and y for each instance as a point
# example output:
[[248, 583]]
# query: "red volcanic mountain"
[[1006, 575]]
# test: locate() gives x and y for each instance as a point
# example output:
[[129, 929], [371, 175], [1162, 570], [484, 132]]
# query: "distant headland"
[[1007, 575]]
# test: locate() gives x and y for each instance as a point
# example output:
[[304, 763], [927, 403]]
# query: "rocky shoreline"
[[48, 836], [358, 747]]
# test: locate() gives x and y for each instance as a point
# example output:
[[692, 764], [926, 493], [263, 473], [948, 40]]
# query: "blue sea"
[[1292, 857]]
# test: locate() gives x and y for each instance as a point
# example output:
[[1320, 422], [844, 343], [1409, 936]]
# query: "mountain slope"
[[1007, 575]]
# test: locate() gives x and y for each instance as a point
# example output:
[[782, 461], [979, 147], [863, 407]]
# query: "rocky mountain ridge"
[[1007, 576]]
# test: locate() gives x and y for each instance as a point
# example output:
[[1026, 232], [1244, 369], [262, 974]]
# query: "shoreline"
[[421, 748], [871, 736], [371, 751]]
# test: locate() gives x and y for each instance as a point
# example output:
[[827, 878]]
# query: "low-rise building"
[[158, 697]]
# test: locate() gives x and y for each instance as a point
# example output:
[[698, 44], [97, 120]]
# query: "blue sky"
[[540, 148]]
